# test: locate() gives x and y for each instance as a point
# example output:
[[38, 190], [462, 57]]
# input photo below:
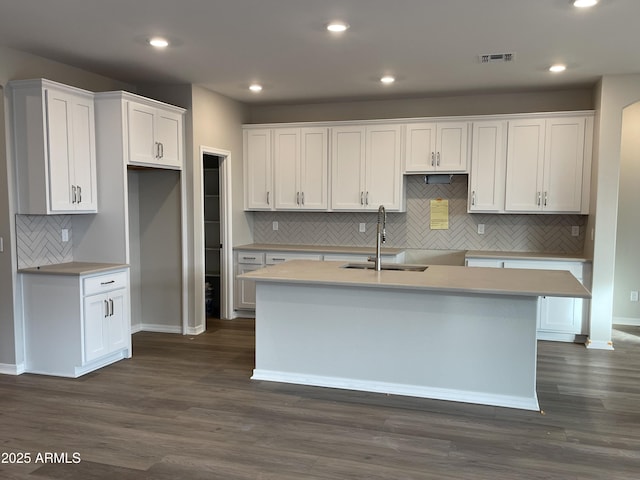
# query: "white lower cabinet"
[[75, 324], [105, 326], [250, 260], [559, 318], [245, 290]]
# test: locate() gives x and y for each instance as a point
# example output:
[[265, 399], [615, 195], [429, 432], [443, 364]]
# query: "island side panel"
[[463, 347]]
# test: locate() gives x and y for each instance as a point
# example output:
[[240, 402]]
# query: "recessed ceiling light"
[[337, 27], [158, 42], [584, 3], [387, 79], [255, 87], [557, 68]]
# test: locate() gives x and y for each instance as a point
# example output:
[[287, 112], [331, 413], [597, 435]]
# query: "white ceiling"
[[432, 46]]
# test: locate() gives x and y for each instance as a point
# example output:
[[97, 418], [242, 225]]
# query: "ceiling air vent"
[[497, 57]]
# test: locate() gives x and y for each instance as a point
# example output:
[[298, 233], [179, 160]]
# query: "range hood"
[[438, 178]]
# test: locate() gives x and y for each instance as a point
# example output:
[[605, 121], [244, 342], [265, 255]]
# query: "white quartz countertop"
[[73, 268], [481, 280], [270, 247], [566, 257]]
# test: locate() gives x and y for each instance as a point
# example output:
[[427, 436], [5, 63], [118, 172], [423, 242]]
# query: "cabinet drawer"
[[273, 258], [252, 258], [484, 262], [104, 283]]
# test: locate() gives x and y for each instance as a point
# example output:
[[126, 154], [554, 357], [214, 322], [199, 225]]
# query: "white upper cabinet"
[[546, 165], [563, 164], [301, 168], [54, 148], [365, 169], [258, 180], [347, 167], [488, 162], [155, 135], [436, 147]]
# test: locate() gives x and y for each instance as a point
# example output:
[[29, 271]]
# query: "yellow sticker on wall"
[[439, 214]]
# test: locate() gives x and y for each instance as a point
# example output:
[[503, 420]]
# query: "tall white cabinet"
[[141, 220], [54, 148]]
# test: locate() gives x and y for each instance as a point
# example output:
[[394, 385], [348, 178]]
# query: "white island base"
[[465, 347]]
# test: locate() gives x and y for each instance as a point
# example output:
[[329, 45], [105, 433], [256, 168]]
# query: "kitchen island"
[[449, 332]]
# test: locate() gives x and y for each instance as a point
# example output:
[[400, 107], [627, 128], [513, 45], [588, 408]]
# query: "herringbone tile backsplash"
[[39, 240], [522, 233]]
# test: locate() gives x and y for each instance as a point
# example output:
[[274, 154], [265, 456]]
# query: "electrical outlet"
[[634, 296], [575, 231], [362, 227], [65, 234], [481, 229], [274, 225]]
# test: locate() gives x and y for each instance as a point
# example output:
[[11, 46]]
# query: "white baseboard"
[[599, 345], [150, 327], [196, 330], [11, 369], [510, 401], [630, 321]]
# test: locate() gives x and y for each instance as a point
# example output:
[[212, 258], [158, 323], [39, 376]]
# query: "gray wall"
[[614, 94], [627, 270], [481, 104], [217, 124]]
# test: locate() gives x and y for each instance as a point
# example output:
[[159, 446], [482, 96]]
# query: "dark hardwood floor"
[[184, 408]]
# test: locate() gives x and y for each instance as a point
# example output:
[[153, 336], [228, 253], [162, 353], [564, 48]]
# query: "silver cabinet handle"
[[297, 198], [366, 199], [106, 308], [361, 198], [438, 159], [157, 145], [248, 258], [538, 198], [302, 196], [79, 190], [433, 159], [545, 199], [268, 202], [111, 303], [161, 149], [108, 283], [279, 259], [473, 197], [73, 194]]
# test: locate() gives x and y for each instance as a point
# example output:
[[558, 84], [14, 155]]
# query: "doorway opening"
[[212, 238], [213, 253]]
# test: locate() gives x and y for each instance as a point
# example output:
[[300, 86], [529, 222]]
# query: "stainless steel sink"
[[387, 266]]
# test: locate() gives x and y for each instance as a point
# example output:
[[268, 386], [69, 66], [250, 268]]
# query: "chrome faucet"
[[381, 237]]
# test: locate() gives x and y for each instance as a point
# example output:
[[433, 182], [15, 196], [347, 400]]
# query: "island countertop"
[[445, 278]]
